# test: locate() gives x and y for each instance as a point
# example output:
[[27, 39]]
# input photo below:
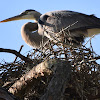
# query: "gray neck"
[[32, 39], [37, 16]]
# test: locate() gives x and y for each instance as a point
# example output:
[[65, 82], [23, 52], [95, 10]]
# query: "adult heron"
[[61, 26], [29, 31]]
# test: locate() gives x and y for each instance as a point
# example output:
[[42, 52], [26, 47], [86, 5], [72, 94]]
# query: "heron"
[[75, 26], [29, 31]]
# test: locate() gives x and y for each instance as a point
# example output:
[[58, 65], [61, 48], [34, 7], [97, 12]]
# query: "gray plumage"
[[30, 35], [29, 31], [58, 26], [55, 21]]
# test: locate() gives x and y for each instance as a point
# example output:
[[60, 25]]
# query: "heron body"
[[58, 26], [55, 21]]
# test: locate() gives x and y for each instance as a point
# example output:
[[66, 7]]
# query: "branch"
[[57, 85], [60, 70], [17, 54], [5, 95]]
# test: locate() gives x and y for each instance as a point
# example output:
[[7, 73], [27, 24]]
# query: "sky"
[[10, 35]]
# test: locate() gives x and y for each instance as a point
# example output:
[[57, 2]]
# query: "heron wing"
[[58, 20]]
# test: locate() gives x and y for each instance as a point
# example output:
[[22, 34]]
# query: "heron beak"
[[18, 17]]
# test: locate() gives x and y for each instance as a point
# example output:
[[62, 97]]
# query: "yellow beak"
[[18, 17]]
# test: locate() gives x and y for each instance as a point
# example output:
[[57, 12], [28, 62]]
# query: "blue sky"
[[10, 36]]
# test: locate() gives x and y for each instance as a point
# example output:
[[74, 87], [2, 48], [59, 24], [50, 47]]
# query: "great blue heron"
[[29, 30], [76, 26]]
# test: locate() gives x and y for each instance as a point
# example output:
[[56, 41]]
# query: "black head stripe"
[[26, 11], [30, 10]]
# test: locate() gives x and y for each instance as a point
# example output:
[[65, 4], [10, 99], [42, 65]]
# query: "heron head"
[[27, 14]]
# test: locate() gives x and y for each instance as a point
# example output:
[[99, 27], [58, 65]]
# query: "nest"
[[84, 82]]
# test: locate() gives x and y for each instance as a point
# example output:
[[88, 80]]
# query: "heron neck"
[[29, 27], [27, 36], [37, 16]]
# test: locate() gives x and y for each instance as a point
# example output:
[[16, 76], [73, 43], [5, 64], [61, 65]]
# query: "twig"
[[89, 39], [17, 54]]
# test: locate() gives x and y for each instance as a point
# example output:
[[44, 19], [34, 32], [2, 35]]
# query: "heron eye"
[[25, 12]]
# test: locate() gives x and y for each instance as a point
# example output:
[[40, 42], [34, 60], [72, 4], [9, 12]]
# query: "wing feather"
[[76, 25], [58, 20]]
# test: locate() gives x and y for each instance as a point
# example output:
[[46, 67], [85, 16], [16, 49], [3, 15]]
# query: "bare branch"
[[58, 68], [5, 95], [57, 85], [17, 54]]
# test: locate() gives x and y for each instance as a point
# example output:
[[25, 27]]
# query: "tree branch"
[[17, 54], [57, 85], [5, 95], [60, 70]]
